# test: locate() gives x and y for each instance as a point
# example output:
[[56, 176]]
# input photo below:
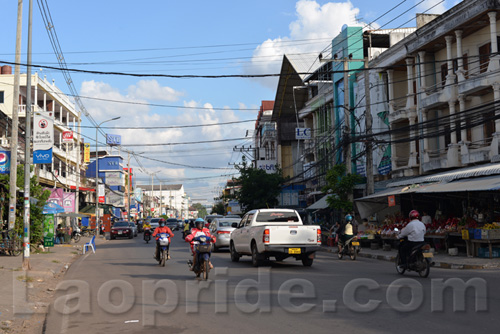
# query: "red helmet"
[[414, 214]]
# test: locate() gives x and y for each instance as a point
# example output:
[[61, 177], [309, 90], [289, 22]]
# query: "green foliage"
[[340, 186], [218, 209], [36, 216], [202, 211], [258, 189]]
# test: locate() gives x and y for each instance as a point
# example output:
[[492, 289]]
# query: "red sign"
[[67, 136], [101, 199], [392, 200]]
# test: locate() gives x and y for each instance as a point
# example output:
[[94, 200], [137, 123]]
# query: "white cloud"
[[431, 6], [314, 22], [151, 90]]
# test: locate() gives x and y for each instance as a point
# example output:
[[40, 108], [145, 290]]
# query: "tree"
[[202, 211], [40, 197], [219, 209], [340, 186], [258, 189]]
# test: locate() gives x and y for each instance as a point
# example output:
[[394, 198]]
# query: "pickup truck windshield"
[[277, 217]]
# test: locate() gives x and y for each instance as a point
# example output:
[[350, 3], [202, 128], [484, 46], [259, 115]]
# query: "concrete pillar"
[[409, 72], [413, 145], [494, 64], [394, 153], [453, 133], [421, 59], [390, 88], [461, 105], [460, 54], [449, 60]]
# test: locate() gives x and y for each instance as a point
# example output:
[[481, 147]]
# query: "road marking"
[[131, 321]]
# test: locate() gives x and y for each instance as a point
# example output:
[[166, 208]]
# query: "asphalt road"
[[121, 288]]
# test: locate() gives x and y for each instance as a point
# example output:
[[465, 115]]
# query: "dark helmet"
[[199, 222], [162, 222], [348, 218], [414, 214]]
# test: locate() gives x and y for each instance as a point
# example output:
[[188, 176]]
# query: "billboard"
[[269, 166], [86, 152], [113, 140], [4, 162], [114, 178]]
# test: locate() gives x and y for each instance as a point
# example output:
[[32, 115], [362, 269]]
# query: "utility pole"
[[370, 187], [77, 195], [129, 188], [161, 197], [27, 151], [14, 138], [347, 123]]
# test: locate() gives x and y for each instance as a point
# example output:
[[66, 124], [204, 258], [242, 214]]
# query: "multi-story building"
[[66, 169], [166, 199]]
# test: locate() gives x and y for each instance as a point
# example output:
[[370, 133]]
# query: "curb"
[[442, 265]]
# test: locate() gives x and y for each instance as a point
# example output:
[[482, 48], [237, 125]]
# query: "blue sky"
[[187, 38]]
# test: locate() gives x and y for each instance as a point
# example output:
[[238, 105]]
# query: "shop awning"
[[489, 183], [319, 204]]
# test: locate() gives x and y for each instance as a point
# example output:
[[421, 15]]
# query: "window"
[[489, 125], [1, 96], [484, 57], [444, 73]]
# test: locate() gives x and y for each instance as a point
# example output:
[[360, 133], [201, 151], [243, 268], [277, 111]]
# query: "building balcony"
[[475, 84], [34, 108], [268, 136]]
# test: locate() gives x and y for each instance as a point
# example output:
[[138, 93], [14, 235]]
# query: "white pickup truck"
[[277, 233]]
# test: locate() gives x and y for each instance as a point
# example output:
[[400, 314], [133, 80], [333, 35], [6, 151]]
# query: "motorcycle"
[[147, 235], [163, 241], [87, 232], [350, 248], [419, 260], [203, 248], [76, 235]]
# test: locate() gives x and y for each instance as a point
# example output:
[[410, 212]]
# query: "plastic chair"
[[90, 244]]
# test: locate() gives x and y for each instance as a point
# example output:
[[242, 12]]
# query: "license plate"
[[355, 243], [428, 255], [293, 250], [119, 232]]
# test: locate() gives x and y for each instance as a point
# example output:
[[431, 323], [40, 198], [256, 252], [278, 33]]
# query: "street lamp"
[[97, 175]]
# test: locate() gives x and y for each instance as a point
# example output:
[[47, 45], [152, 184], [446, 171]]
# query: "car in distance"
[[172, 223], [208, 219], [122, 229], [221, 228], [135, 230], [155, 222]]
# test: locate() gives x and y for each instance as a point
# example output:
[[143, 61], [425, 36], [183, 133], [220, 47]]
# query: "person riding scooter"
[[147, 229], [346, 231], [162, 229], [415, 233], [198, 230]]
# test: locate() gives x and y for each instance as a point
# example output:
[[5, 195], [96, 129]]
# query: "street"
[[121, 288]]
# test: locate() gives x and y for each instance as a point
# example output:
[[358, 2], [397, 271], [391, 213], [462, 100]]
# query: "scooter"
[[76, 235], [419, 260], [203, 248], [349, 248], [147, 235], [163, 244]]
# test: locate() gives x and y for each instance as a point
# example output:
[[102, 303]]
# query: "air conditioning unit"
[[4, 142]]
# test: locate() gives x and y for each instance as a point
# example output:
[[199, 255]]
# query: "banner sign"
[[114, 178], [269, 166], [113, 140], [67, 136], [43, 132], [100, 193], [303, 133], [4, 162], [138, 194], [48, 230], [42, 156], [86, 152], [391, 200]]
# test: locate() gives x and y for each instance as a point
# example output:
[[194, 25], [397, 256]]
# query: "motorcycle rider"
[[415, 232], [162, 229], [198, 230], [147, 228], [346, 231]]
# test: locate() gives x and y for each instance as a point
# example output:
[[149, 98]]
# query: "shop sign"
[[392, 200], [4, 162], [302, 133], [67, 136], [86, 152], [48, 230], [114, 178], [113, 140], [42, 156], [269, 166]]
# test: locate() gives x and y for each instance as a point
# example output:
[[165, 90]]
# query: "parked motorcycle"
[[350, 248], [76, 235], [203, 248], [147, 235], [163, 241], [419, 260], [87, 232]]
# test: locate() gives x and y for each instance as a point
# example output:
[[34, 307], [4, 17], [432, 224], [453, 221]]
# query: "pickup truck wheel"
[[235, 257], [256, 257], [307, 262]]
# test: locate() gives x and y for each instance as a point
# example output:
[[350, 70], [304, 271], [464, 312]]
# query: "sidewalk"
[[441, 260], [25, 293]]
